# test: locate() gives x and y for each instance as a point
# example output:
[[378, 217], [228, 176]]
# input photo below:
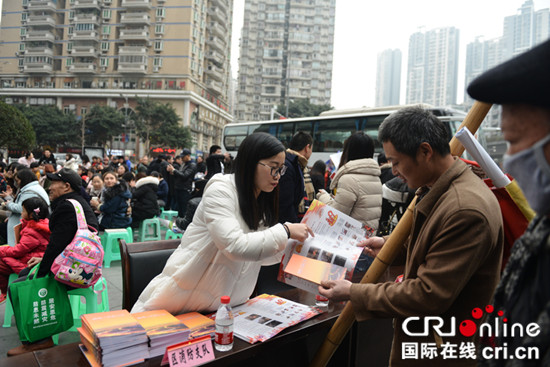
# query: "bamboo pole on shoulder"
[[391, 248]]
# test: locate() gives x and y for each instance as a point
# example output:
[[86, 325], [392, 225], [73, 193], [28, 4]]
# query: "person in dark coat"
[[292, 186], [201, 166], [47, 158], [522, 87], [156, 164], [65, 184], [214, 161], [162, 190], [183, 185], [317, 174], [144, 200], [115, 200]]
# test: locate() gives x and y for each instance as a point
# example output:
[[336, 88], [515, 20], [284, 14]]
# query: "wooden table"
[[294, 346]]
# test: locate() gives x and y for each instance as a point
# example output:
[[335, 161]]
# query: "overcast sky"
[[365, 27]]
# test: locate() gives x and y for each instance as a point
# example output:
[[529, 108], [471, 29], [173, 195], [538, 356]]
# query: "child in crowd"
[[34, 236]]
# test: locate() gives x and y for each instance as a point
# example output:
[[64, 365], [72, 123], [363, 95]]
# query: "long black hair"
[[36, 207], [266, 207], [357, 146], [26, 176]]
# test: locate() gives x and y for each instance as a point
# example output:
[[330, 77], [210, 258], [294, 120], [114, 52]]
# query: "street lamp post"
[[82, 132], [125, 122]]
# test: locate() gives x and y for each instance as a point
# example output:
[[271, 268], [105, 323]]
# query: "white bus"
[[330, 129]]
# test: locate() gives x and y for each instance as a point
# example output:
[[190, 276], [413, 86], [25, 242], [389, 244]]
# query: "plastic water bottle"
[[224, 326]]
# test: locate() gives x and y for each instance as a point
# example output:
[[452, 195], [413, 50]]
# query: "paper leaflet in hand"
[[332, 254]]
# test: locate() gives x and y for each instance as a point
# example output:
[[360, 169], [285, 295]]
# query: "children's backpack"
[[79, 265]]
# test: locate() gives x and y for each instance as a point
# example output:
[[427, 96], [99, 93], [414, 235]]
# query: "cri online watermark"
[[467, 328]]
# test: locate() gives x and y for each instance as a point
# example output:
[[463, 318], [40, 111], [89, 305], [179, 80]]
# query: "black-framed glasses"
[[275, 170]]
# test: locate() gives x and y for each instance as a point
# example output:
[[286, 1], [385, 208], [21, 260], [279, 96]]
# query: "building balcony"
[[216, 29], [42, 5], [134, 34], [214, 72], [38, 68], [86, 18], [135, 18], [40, 36], [222, 4], [83, 68], [136, 4], [133, 67], [86, 4], [84, 51], [215, 56], [41, 20], [217, 14], [215, 86], [132, 50], [38, 51], [216, 43], [271, 75], [85, 35]]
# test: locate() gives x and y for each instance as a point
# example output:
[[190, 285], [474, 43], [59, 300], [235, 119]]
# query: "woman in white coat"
[[234, 232], [357, 182]]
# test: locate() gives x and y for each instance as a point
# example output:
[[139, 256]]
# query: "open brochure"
[[265, 316], [330, 255]]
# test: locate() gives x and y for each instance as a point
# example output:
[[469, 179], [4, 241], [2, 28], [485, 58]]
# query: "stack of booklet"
[[118, 338], [113, 338], [163, 329]]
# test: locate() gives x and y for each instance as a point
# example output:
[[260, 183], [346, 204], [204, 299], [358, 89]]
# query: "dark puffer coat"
[[144, 200], [115, 206]]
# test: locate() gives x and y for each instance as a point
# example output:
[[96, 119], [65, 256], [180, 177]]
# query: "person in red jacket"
[[34, 237]]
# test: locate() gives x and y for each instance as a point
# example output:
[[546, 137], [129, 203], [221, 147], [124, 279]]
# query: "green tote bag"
[[41, 307]]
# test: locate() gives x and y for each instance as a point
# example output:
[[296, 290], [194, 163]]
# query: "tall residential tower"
[[286, 54], [388, 78], [432, 73], [76, 53]]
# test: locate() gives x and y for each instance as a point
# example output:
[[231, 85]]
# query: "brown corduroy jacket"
[[453, 258]]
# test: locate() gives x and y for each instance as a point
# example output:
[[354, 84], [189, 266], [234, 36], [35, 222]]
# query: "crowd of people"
[[240, 214]]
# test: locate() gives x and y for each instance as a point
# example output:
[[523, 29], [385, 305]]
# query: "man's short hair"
[[409, 127], [214, 148], [300, 140]]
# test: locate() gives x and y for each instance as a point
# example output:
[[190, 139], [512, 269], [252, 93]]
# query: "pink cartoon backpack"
[[79, 265]]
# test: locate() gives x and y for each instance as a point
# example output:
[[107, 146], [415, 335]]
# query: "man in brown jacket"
[[453, 254]]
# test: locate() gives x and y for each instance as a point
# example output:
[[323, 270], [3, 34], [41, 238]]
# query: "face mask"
[[532, 172], [41, 172]]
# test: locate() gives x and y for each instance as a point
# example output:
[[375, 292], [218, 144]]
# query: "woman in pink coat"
[[34, 237]]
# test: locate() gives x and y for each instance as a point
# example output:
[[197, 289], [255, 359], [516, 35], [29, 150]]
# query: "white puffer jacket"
[[358, 191], [218, 255]]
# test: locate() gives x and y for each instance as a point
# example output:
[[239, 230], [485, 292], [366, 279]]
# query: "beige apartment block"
[[77, 53], [286, 53]]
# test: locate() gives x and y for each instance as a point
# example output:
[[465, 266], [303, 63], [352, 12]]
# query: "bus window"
[[266, 128], [370, 128], [329, 135], [285, 133], [252, 128], [233, 136], [304, 126]]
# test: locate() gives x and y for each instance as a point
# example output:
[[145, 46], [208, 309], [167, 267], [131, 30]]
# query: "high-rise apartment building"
[[480, 56], [286, 54], [432, 73], [521, 32], [524, 30], [388, 78], [77, 53]]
